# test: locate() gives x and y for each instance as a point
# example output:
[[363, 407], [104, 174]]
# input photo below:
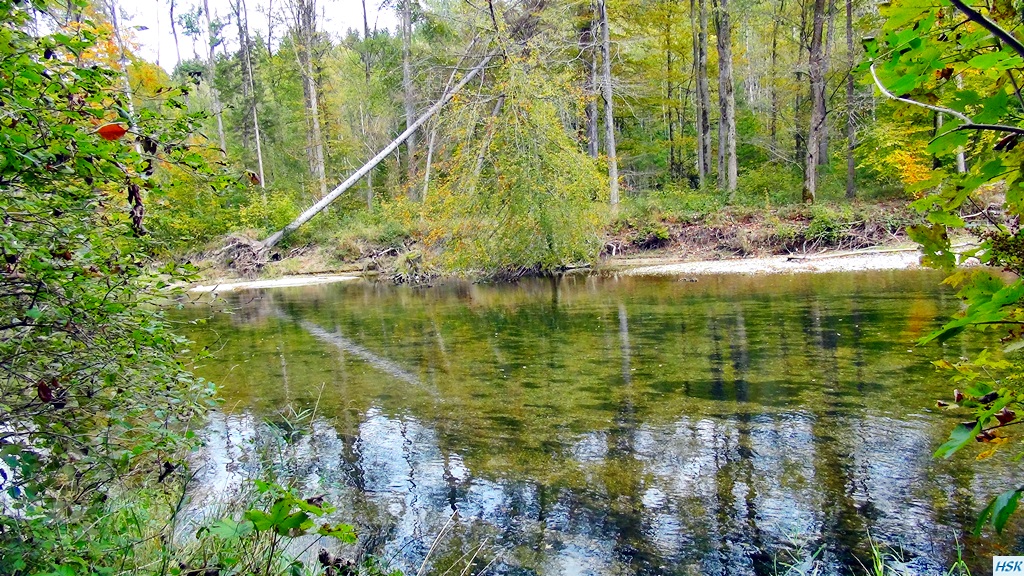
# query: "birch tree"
[[609, 108]]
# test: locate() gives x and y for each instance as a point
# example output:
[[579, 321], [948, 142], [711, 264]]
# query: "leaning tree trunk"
[[816, 71], [609, 110], [387, 151]]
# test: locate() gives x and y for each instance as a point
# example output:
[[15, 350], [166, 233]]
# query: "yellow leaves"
[[913, 168], [994, 444]]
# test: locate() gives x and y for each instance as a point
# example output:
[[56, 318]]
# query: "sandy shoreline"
[[861, 260], [283, 282]]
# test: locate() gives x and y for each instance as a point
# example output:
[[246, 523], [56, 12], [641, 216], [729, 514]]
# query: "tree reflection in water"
[[607, 425]]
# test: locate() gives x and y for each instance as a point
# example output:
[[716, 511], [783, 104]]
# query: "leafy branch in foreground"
[[964, 66], [96, 405]]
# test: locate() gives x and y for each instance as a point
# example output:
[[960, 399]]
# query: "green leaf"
[[1000, 60], [935, 244], [958, 438], [228, 529], [947, 219], [998, 511]]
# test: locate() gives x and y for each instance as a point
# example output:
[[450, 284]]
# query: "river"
[[603, 424]]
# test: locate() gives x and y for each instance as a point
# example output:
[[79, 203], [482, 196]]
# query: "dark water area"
[[608, 424]]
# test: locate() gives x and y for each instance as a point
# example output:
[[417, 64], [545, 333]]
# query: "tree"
[[935, 45], [304, 39], [817, 126], [249, 86], [213, 39], [851, 126], [609, 105], [727, 168], [409, 97], [699, 20]]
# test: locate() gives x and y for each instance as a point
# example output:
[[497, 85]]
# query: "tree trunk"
[[816, 71], [588, 47], [773, 123], [365, 52], [303, 14], [703, 95], [727, 170], [609, 111], [174, 32], [799, 137], [243, 36], [270, 28], [851, 128], [823, 158], [212, 66], [384, 153], [492, 125], [670, 100], [430, 157], [407, 89]]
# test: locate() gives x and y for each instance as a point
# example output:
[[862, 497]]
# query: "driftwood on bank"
[[384, 153]]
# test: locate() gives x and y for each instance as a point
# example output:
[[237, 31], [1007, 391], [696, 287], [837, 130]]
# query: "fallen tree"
[[384, 153]]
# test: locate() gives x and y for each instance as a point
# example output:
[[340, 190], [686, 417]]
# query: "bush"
[[94, 400]]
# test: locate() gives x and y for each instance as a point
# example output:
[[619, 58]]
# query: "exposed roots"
[[243, 255]]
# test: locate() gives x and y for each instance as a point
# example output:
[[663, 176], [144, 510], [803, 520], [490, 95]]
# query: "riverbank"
[[641, 239], [901, 257]]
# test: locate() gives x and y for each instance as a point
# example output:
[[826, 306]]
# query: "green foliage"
[[268, 212], [95, 401], [768, 185], [829, 224], [257, 543], [532, 202], [934, 54]]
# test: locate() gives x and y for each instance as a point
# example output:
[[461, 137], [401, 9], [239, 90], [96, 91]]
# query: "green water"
[[608, 425]]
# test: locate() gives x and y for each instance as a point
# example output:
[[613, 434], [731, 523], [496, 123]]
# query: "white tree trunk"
[[609, 111], [384, 153]]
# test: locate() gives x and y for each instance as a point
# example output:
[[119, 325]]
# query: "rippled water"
[[606, 425]]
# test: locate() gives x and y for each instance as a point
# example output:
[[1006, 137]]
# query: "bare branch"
[[968, 124]]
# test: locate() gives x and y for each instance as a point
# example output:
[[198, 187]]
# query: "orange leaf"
[[111, 131]]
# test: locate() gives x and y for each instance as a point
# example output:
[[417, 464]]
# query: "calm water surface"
[[606, 425]]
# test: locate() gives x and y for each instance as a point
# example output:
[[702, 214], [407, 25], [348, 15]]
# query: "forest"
[[511, 142], [652, 113]]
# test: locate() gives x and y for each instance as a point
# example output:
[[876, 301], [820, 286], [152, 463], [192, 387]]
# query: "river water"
[[606, 425]]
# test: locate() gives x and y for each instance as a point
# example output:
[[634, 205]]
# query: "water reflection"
[[607, 425]]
